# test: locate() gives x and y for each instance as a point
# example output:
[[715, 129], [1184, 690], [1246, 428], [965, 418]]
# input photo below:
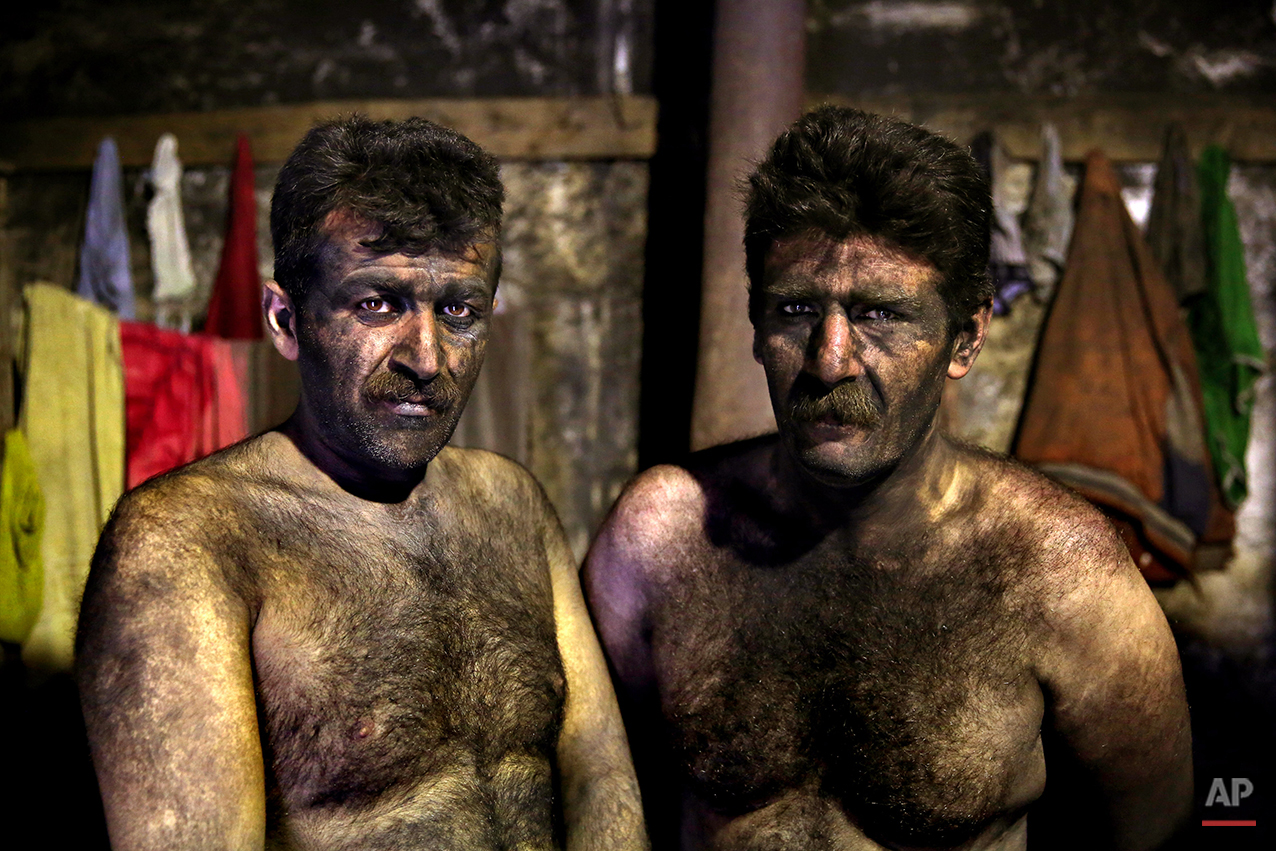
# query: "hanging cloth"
[[106, 276], [73, 421], [21, 532], [1007, 260], [186, 395], [235, 307], [1048, 221], [170, 250], [1228, 350], [1114, 407], [1174, 230]]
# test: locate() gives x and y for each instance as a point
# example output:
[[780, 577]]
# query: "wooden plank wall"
[[621, 127], [1126, 127]]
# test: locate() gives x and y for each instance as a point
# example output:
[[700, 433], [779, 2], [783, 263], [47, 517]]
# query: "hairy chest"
[[904, 695], [385, 664]]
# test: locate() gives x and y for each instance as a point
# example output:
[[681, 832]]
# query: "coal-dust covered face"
[[389, 347], [854, 337]]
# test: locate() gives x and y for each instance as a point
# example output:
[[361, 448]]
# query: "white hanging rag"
[[170, 250]]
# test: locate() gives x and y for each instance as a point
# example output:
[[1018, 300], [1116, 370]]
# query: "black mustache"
[[849, 403], [395, 388]]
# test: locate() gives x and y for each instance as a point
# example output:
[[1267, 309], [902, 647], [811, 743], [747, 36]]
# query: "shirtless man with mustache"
[[342, 633], [860, 633]]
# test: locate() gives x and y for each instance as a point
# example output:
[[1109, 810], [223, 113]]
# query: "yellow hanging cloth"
[[73, 420], [21, 530]]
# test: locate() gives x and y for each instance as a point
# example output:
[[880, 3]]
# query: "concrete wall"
[[87, 58], [1042, 48]]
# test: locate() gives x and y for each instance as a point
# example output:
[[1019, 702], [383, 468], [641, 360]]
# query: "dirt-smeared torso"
[[410, 690], [821, 695]]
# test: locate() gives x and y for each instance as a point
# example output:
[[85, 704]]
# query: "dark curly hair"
[[427, 186], [847, 173]]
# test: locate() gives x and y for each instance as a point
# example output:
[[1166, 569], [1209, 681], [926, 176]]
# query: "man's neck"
[[353, 476], [921, 488]]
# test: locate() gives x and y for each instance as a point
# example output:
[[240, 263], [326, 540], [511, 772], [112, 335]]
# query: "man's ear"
[[281, 318], [969, 340]]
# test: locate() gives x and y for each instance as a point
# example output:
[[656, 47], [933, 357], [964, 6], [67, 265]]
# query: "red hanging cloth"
[[235, 307]]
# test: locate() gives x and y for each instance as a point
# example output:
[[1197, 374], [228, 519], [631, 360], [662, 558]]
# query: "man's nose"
[[834, 351], [417, 348]]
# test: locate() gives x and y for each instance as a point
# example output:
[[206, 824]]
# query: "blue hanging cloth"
[[105, 273]]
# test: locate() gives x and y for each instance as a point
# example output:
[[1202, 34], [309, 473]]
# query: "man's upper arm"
[[636, 556], [616, 581], [1116, 698], [165, 676], [601, 804]]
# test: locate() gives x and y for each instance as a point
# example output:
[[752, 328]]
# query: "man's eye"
[[796, 308], [375, 305], [458, 311], [879, 313]]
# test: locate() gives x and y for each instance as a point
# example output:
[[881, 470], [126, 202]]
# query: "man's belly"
[[459, 808], [427, 721], [804, 819], [849, 774], [899, 706]]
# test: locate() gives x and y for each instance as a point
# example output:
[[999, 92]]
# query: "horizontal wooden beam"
[[1126, 127], [621, 127]]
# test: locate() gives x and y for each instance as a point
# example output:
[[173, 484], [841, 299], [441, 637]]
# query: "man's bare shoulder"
[[195, 499], [485, 470], [664, 512], [166, 552], [490, 484], [1011, 498], [176, 527], [655, 534], [1072, 558], [658, 502]]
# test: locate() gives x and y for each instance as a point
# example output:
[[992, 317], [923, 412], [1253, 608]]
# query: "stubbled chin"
[[837, 460], [823, 432]]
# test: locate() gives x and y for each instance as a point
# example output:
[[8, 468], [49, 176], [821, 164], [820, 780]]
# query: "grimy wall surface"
[[81, 57]]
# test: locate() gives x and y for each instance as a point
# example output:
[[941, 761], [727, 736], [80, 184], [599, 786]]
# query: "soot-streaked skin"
[[852, 315], [389, 347], [860, 633], [341, 633]]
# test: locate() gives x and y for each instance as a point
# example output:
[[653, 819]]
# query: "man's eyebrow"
[[470, 286], [474, 286], [798, 289], [789, 288], [357, 283], [907, 303], [370, 278]]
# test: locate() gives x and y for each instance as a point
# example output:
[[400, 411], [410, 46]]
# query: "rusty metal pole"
[[757, 88]]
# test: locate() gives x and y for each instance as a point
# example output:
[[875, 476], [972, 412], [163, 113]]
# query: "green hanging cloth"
[[21, 530], [1229, 353]]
